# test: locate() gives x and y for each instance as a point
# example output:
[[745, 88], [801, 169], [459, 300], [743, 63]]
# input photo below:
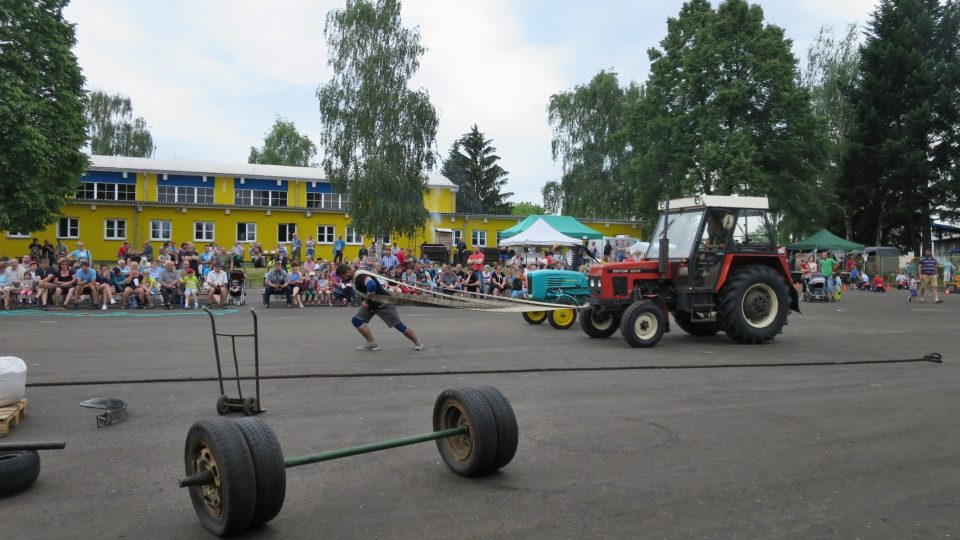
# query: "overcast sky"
[[210, 76]]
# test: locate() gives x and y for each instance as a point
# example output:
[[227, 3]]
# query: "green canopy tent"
[[825, 240], [564, 224]]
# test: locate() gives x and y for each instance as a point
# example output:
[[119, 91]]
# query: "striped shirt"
[[928, 266]]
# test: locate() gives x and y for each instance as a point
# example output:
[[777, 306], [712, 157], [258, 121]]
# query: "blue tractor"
[[556, 287]]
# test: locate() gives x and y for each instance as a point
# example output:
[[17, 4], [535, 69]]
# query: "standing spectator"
[[593, 250], [6, 284], [363, 253], [827, 264], [398, 253], [237, 254], [217, 285], [275, 282], [147, 252], [338, 246], [86, 283], [461, 252], [475, 260], [296, 244], [311, 247], [169, 284], [947, 271], [35, 249], [223, 258], [80, 253], [206, 260], [914, 283], [47, 251], [60, 251], [928, 276], [607, 251], [256, 255]]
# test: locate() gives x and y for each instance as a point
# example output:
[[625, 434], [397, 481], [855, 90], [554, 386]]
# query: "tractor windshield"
[[682, 232]]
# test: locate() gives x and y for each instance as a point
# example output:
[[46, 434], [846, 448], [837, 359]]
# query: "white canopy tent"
[[639, 247], [540, 234]]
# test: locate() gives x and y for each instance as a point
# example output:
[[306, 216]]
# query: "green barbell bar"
[[236, 472]]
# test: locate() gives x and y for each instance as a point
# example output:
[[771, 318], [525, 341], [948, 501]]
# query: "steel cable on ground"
[[935, 358]]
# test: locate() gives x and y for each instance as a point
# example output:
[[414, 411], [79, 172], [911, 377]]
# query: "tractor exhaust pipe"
[[664, 240]]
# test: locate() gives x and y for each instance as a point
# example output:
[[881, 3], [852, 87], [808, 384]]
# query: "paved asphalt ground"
[[763, 451]]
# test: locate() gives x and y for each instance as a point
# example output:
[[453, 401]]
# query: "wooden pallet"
[[11, 415]]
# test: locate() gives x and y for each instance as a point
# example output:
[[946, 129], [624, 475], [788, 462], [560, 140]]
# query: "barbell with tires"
[[20, 464], [236, 472]]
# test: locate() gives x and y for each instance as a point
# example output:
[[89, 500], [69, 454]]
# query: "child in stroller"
[[816, 288], [237, 287]]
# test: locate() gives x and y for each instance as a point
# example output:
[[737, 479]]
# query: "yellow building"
[[142, 200]]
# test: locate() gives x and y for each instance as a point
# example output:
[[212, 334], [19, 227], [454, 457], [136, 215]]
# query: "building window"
[[160, 230], [259, 197], [106, 191], [499, 238], [68, 228], [478, 238], [115, 229], [327, 201], [325, 234], [185, 194], [383, 240], [351, 236], [246, 232], [17, 235], [285, 232], [457, 236], [203, 231]]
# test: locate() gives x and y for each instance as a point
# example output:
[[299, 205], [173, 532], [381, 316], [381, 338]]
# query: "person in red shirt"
[[399, 254], [476, 260]]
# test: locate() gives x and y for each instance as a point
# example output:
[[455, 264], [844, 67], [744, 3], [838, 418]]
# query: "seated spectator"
[[473, 283], [324, 289], [518, 285], [498, 283], [123, 251], [134, 286], [256, 255], [310, 286], [124, 269], [310, 265], [45, 283], [105, 283], [169, 284], [6, 284], [147, 252], [295, 279], [448, 282], [275, 282], [206, 260], [155, 269], [410, 277], [65, 281], [28, 284], [217, 285], [191, 288], [86, 284]]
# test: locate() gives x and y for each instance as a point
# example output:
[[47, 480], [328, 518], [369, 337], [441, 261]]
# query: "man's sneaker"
[[104, 308], [418, 346], [369, 347]]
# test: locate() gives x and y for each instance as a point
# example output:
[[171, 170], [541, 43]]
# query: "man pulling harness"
[[368, 285]]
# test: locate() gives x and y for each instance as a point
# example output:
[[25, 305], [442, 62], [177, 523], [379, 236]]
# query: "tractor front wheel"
[[534, 317], [643, 324], [599, 324], [561, 319], [753, 305]]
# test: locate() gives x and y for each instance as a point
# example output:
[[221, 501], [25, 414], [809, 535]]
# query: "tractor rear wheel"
[[696, 328], [753, 305], [643, 324], [599, 325]]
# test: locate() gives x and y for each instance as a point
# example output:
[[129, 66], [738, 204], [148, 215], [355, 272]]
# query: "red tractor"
[[716, 267]]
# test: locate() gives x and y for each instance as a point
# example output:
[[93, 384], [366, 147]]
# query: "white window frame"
[[247, 232], [246, 196], [76, 225], [457, 236], [17, 235], [201, 227], [191, 194], [475, 238], [330, 231], [118, 224], [160, 238], [351, 237], [290, 232]]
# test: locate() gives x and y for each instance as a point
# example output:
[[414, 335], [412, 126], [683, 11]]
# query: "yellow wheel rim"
[[537, 315], [563, 317]]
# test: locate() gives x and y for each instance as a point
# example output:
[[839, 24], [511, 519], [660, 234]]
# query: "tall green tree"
[[552, 197], [284, 145], [903, 145], [472, 164], [723, 112], [524, 209], [113, 129], [377, 132], [588, 141], [42, 127], [832, 71]]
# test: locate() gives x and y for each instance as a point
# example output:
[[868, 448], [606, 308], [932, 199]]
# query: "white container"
[[13, 380]]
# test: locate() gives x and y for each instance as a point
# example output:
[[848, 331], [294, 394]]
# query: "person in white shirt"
[[217, 285]]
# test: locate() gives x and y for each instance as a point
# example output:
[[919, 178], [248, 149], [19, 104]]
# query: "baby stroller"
[[237, 287], [816, 289]]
